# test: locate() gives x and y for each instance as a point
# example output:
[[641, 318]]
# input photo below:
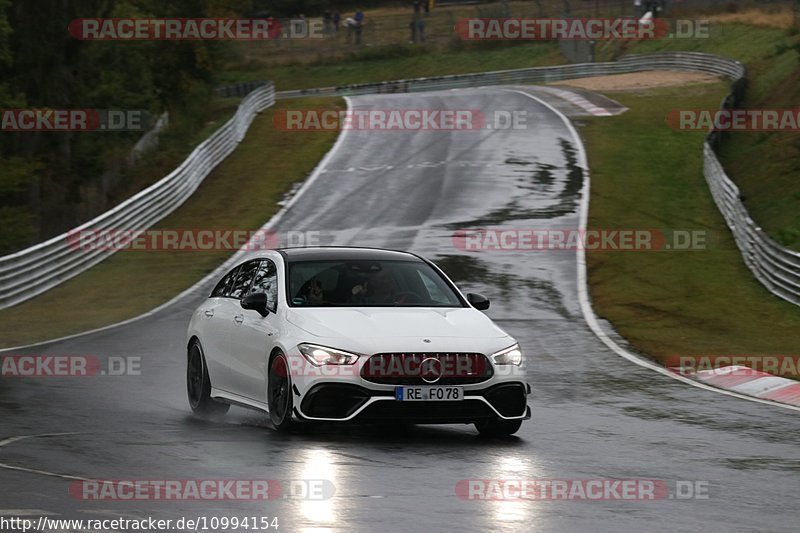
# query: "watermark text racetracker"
[[734, 119], [581, 489], [74, 120], [591, 29], [194, 29], [201, 489], [449, 120], [189, 239], [591, 239], [785, 365], [429, 368], [60, 366]]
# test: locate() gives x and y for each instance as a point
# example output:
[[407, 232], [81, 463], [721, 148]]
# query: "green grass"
[[253, 179], [385, 34], [401, 62], [174, 145], [765, 166], [242, 193], [667, 303], [644, 176], [764, 51]]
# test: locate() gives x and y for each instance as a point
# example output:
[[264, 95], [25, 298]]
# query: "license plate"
[[429, 394]]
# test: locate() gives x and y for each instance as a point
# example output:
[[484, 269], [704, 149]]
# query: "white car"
[[353, 334]]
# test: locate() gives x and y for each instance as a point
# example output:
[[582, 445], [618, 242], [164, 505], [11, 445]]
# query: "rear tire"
[[198, 385], [279, 393], [497, 427]]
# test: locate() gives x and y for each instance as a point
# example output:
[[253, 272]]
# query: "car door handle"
[[209, 313], [238, 319]]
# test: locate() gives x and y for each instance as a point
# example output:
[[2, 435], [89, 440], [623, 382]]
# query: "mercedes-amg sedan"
[[353, 334]]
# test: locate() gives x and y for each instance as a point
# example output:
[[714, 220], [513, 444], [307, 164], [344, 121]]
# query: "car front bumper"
[[343, 402]]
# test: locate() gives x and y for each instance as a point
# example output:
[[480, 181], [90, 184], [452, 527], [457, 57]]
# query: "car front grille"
[[427, 369]]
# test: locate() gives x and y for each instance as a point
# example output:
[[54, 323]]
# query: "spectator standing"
[[359, 24], [421, 29], [274, 30], [336, 17], [656, 8], [327, 21], [413, 25]]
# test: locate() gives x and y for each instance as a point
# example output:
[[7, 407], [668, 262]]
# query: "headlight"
[[320, 355], [509, 356]]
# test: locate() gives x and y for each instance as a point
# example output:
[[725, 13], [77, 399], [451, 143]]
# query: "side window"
[[266, 281], [223, 288], [244, 276]]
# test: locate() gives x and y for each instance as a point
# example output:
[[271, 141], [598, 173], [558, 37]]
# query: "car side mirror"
[[256, 302], [478, 301]]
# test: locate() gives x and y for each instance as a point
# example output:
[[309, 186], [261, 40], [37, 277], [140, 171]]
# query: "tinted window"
[[223, 288], [368, 283], [244, 276], [266, 281]]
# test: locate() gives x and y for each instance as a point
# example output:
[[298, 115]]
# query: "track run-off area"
[[596, 415]]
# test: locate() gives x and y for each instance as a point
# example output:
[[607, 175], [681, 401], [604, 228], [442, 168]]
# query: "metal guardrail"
[[633, 63], [37, 269], [41, 267], [776, 267], [239, 90]]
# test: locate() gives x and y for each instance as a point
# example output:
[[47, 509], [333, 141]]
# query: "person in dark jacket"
[[359, 19]]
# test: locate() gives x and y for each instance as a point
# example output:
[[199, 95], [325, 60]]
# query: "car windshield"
[[360, 283]]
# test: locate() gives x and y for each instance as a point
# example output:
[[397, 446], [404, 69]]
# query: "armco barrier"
[[239, 90], [32, 271], [37, 269], [778, 268], [634, 63]]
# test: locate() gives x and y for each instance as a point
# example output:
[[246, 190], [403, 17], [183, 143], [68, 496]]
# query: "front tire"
[[198, 385], [279, 393], [497, 427]]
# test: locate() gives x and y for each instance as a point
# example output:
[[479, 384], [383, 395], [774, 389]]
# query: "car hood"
[[380, 322]]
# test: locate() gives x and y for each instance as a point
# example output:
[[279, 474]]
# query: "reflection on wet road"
[[594, 415]]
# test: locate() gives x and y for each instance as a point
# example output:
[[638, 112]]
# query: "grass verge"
[[672, 303], [242, 193], [763, 164], [399, 62]]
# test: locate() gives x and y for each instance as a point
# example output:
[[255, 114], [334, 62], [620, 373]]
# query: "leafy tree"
[[50, 181]]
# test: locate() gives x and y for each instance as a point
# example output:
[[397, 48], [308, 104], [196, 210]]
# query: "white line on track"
[[578, 101], [41, 472], [318, 170], [10, 440], [583, 288]]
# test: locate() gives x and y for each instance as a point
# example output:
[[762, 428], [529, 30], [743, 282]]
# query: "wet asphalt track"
[[594, 414]]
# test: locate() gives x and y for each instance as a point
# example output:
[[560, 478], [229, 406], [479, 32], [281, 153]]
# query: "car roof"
[[347, 253]]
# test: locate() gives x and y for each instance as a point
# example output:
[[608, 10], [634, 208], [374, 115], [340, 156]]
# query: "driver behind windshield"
[[379, 287]]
